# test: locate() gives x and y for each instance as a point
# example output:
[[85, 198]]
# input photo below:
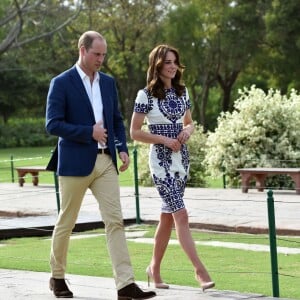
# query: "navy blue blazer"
[[69, 115]]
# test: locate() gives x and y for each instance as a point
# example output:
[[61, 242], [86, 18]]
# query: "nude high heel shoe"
[[158, 285], [205, 285]]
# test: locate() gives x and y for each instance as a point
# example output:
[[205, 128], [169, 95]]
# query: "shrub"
[[262, 131], [25, 133], [196, 146]]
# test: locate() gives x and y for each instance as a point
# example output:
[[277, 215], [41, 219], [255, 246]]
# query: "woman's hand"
[[173, 144], [183, 136]]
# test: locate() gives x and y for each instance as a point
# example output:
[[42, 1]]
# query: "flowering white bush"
[[262, 130]]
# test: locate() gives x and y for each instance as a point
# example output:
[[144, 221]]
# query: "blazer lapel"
[[78, 85], [105, 98]]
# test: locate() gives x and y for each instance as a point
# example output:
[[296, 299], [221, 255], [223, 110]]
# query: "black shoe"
[[132, 291], [59, 288]]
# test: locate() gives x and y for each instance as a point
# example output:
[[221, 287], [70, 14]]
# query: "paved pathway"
[[217, 209], [20, 285], [225, 209]]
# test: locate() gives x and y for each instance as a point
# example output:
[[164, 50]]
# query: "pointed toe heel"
[[158, 285], [207, 285]]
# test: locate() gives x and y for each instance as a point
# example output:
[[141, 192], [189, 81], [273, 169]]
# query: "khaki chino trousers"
[[104, 184]]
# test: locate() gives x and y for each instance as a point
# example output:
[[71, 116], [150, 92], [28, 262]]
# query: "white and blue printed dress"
[[169, 169]]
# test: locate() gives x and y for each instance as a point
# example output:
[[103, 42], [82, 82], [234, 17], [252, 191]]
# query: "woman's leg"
[[187, 243], [161, 240]]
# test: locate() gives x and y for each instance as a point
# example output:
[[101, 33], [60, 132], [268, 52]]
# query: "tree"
[[27, 28], [187, 30], [25, 21], [218, 39], [13, 92], [283, 44], [241, 33], [131, 29]]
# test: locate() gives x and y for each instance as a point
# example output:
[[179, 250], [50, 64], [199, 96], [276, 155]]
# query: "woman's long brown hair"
[[156, 60]]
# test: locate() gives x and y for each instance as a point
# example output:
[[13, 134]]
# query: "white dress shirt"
[[94, 94]]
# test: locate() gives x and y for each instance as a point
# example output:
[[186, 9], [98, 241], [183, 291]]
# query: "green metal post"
[[136, 185], [57, 191], [273, 246], [12, 168], [224, 178]]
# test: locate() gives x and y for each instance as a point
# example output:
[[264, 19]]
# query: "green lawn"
[[231, 269], [41, 155]]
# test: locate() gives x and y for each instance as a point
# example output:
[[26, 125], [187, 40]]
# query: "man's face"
[[93, 57]]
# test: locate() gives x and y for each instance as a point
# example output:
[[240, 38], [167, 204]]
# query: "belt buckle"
[[103, 151]]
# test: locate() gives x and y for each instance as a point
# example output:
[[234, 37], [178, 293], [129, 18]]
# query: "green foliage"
[[283, 36], [196, 146], [25, 133], [144, 176], [29, 21], [131, 29], [219, 42], [261, 131], [220, 38], [17, 84], [30, 53]]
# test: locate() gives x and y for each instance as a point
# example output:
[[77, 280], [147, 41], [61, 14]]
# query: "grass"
[[232, 269], [41, 155]]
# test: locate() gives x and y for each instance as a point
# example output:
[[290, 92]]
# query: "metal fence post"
[[224, 177], [136, 185], [57, 192], [273, 245], [12, 168]]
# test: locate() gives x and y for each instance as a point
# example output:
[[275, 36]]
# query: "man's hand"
[[100, 133], [125, 160]]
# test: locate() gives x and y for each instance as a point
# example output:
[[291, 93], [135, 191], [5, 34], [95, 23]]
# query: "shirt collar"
[[83, 75]]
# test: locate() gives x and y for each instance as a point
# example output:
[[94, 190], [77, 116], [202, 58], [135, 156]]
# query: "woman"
[[166, 106]]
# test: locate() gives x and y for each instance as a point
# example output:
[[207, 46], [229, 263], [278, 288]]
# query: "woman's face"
[[169, 67]]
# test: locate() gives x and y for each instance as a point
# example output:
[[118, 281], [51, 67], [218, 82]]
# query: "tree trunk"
[[204, 100], [226, 85]]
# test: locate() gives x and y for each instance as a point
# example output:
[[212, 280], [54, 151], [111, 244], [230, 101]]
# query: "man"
[[82, 110]]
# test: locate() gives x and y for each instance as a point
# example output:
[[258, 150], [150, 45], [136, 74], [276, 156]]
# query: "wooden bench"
[[33, 170], [260, 174]]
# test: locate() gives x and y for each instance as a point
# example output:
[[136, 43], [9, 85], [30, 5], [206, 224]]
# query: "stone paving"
[[216, 209]]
